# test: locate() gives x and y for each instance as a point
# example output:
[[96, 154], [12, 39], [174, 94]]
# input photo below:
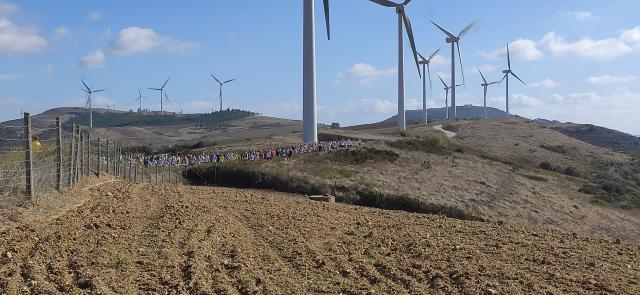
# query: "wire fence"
[[36, 160]]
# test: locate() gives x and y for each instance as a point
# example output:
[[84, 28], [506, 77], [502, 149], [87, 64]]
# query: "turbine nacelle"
[[452, 39]]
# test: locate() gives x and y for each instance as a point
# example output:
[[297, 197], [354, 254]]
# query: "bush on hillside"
[[571, 171], [359, 156], [433, 144]]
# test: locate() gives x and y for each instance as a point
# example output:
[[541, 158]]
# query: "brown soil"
[[170, 239]]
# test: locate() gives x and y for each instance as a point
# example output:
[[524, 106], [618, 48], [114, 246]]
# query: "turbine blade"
[[503, 77], [225, 82], [214, 77], [386, 3], [406, 2], [99, 90], [407, 25], [508, 57], [496, 82], [326, 18], [165, 83], [525, 84], [443, 83], [460, 58], [466, 29], [433, 55], [481, 75], [166, 97], [422, 57], [443, 30], [85, 85], [430, 82], [157, 89]]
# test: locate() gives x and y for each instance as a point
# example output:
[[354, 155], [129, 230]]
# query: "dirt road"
[[173, 239]]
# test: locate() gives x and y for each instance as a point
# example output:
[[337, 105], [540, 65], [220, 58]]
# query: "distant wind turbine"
[[486, 85], [309, 112], [221, 84], [89, 92], [140, 101], [506, 76], [402, 19], [425, 62], [455, 42], [446, 96], [161, 89]]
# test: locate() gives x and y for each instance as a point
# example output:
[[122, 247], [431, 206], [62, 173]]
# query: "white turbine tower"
[[402, 19], [221, 84], [455, 42], [446, 96], [139, 101], [486, 85], [161, 89], [309, 113], [425, 62], [89, 92], [506, 76]]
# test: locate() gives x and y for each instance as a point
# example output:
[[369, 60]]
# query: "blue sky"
[[580, 58]]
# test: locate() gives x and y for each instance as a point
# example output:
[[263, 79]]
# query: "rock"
[[490, 291], [109, 194], [9, 255], [617, 242]]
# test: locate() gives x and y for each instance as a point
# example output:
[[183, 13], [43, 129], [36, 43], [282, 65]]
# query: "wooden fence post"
[[77, 158], [156, 172], [81, 155], [28, 155], [129, 177], [162, 174], [115, 173], [72, 155], [170, 172], [135, 173], [98, 165], [108, 155], [142, 172], [87, 149], [58, 154]]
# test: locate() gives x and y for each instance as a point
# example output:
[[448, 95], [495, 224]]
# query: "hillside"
[[168, 239], [466, 112]]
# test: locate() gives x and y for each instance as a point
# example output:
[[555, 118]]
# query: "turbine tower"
[[402, 19], [455, 42], [506, 76], [221, 84], [446, 96], [140, 101], [161, 89], [89, 92], [486, 85], [425, 62], [309, 112]]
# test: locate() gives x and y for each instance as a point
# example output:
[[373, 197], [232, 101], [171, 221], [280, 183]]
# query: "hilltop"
[[465, 112]]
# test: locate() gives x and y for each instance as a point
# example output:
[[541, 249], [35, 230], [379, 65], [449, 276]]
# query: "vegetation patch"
[[560, 149], [359, 156], [569, 170], [112, 119], [241, 174], [436, 143], [332, 137]]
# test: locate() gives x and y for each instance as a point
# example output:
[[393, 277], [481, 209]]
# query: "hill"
[[467, 112], [125, 238]]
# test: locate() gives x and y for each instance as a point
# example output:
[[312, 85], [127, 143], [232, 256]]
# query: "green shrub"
[[546, 166], [359, 156], [560, 149], [432, 144], [571, 171]]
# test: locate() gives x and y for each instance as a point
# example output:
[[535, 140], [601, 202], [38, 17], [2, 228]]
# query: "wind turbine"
[[425, 62], [402, 19], [506, 76], [221, 84], [486, 85], [161, 89], [446, 97], [166, 96], [89, 92], [309, 113], [140, 101], [455, 42]]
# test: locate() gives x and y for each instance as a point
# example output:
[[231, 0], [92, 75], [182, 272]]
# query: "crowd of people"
[[248, 155]]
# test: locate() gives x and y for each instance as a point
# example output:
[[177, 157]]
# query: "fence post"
[[142, 172], [81, 155], [28, 155], [88, 155], [99, 158], [162, 174], [58, 154], [77, 158], [108, 155], [156, 172], [135, 173], [114, 160], [170, 172], [129, 176], [72, 158]]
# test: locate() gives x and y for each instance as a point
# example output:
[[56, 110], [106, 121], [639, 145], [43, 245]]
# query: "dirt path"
[[173, 239], [446, 132]]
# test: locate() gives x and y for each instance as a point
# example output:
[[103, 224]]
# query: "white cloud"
[[487, 69], [439, 60], [5, 77], [7, 8], [579, 15], [95, 59], [16, 39], [100, 100], [610, 79], [585, 47], [631, 36], [61, 34], [132, 40], [547, 83], [523, 49], [366, 74], [525, 101], [95, 15], [48, 68]]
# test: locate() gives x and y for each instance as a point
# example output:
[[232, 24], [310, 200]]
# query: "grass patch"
[[357, 156], [436, 143], [332, 137], [559, 149]]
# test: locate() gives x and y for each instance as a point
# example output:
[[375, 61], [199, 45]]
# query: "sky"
[[580, 58]]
